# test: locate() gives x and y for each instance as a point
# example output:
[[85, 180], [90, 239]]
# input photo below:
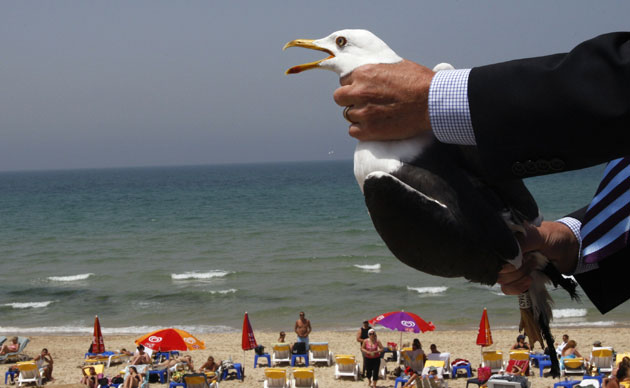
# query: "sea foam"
[[194, 275], [28, 305], [70, 278], [230, 291], [70, 329], [428, 290], [568, 313], [369, 267]]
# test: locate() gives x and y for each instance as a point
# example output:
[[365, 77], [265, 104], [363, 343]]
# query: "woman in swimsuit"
[[10, 347], [371, 349]]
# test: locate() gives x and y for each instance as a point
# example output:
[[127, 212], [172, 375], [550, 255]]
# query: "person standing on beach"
[[362, 335], [303, 329], [372, 349]]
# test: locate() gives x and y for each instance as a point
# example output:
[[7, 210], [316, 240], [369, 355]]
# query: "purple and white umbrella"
[[403, 321]]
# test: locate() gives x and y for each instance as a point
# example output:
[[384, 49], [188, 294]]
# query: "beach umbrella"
[[166, 340], [403, 321], [248, 341], [484, 337], [98, 346]]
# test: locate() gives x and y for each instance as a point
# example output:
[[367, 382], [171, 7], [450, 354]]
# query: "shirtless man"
[[302, 329]]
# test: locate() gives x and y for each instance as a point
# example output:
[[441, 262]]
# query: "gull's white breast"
[[386, 156]]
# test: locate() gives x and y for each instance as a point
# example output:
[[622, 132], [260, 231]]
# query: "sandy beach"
[[68, 351]]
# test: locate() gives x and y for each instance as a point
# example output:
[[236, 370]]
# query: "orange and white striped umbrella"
[[165, 340]]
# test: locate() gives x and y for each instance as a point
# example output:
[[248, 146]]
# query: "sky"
[[89, 84]]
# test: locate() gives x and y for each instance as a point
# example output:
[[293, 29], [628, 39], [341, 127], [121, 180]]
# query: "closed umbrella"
[[248, 341], [98, 346], [484, 337], [166, 340]]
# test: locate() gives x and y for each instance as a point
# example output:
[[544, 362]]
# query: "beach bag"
[[483, 373], [299, 348], [104, 381], [154, 378], [260, 350]]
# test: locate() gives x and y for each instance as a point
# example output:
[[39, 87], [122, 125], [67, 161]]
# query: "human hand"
[[554, 240], [388, 101]]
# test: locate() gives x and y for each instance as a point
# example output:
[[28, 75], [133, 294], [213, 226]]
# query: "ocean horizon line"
[[166, 166]]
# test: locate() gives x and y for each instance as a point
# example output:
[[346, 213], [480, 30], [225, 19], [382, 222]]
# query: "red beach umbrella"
[[98, 346], [165, 340], [484, 337], [248, 341]]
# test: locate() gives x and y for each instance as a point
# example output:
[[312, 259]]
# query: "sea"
[[196, 247]]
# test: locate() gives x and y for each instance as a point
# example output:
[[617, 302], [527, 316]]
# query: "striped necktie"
[[606, 224]]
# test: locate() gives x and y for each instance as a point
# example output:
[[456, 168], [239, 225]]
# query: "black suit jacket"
[[554, 113]]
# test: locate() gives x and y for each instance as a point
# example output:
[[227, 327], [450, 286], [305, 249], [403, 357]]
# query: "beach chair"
[[197, 380], [624, 384], [29, 373], [437, 364], [498, 383], [346, 366], [275, 378], [319, 352], [444, 356], [520, 359], [304, 378], [98, 368], [107, 358], [2, 339], [518, 367], [416, 364], [493, 360], [16, 356], [619, 357], [280, 353], [602, 359], [573, 366]]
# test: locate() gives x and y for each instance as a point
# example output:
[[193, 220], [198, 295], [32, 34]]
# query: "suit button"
[[543, 165], [518, 169], [530, 167], [557, 164]]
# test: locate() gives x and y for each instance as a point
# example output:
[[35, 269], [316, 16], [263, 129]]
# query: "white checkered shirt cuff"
[[575, 226], [448, 107]]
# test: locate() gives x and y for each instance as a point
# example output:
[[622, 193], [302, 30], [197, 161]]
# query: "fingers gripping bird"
[[431, 203]]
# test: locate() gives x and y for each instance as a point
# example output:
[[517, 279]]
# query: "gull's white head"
[[347, 49]]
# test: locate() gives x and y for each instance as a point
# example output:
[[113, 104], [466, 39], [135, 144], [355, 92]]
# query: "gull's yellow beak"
[[306, 43]]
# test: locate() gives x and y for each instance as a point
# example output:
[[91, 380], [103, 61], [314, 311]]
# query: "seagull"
[[431, 202]]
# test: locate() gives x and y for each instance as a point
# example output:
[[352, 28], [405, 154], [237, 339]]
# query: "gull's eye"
[[341, 41]]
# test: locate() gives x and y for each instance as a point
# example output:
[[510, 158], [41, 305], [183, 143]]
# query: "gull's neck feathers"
[[362, 48]]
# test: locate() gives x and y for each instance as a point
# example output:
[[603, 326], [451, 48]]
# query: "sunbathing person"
[[209, 366], [434, 349], [133, 379], [89, 379], [177, 363], [125, 352], [11, 346], [141, 358]]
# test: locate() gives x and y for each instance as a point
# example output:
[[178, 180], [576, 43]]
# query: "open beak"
[[306, 43]]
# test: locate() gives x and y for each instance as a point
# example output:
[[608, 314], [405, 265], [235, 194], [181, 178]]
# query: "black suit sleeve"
[[554, 113]]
